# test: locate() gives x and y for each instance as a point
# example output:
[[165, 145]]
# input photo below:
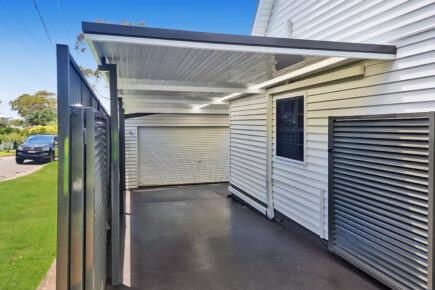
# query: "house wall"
[[160, 120], [248, 142], [401, 86]]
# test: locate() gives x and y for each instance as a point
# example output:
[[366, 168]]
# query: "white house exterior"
[[405, 85], [299, 189], [324, 99]]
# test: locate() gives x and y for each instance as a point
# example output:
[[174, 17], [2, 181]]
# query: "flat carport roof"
[[176, 71]]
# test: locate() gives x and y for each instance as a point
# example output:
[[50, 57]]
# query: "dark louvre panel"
[[381, 196], [290, 128], [101, 187]]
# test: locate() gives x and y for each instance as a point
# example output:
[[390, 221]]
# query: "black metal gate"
[[381, 196], [83, 180]]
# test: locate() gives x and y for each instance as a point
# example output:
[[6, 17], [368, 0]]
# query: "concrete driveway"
[[9, 169]]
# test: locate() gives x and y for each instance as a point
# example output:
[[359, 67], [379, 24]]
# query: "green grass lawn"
[[27, 228], [6, 153]]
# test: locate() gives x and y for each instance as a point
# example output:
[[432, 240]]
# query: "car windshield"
[[40, 139]]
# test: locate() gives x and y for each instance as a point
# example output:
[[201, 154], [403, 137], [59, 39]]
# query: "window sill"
[[290, 161]]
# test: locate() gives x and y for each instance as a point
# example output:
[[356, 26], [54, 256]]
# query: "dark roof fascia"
[[220, 38]]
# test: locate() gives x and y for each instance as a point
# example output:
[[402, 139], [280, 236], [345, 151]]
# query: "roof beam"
[[241, 47], [165, 101], [168, 98], [142, 87], [227, 42], [177, 111]]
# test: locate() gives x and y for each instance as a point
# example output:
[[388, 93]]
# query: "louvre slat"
[[384, 123], [396, 143], [390, 251], [387, 168], [395, 246], [412, 226], [380, 179], [386, 161], [378, 257], [390, 211], [412, 151], [386, 232], [393, 156], [379, 266], [396, 130], [383, 193], [379, 210], [386, 203], [377, 220], [356, 134]]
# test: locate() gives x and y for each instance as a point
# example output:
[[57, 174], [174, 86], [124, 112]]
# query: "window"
[[290, 128]]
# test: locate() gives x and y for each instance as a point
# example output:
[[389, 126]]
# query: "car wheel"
[[19, 160]]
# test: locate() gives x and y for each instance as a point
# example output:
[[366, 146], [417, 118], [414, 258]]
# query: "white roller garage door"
[[182, 155]]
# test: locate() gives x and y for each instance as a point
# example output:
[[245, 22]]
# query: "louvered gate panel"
[[101, 190], [97, 188], [83, 179], [380, 196]]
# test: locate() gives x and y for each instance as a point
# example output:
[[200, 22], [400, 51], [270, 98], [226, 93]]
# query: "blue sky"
[[27, 59]]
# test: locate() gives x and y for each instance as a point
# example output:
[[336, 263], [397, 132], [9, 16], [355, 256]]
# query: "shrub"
[[14, 137], [49, 129]]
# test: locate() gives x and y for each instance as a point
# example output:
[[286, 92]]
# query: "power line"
[[24, 24], [43, 24], [15, 35]]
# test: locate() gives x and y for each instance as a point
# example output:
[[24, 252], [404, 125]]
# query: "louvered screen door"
[[381, 196]]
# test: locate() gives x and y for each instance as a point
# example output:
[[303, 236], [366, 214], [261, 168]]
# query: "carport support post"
[[115, 228], [121, 154], [270, 209]]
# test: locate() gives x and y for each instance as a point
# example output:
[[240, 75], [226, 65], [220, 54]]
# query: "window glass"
[[290, 128], [40, 139]]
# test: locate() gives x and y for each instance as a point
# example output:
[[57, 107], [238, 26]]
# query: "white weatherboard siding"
[[248, 145], [134, 126], [402, 86]]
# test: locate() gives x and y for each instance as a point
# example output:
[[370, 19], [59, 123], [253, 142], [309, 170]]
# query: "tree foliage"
[[40, 101], [44, 117], [81, 44], [17, 123], [3, 123], [89, 73], [14, 137], [49, 129]]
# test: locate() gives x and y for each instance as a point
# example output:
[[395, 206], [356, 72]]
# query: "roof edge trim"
[[232, 39]]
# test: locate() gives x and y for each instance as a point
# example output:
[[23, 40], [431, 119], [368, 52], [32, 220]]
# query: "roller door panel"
[[182, 155]]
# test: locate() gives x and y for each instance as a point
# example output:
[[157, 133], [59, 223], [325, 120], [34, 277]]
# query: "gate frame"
[[431, 199], [69, 195]]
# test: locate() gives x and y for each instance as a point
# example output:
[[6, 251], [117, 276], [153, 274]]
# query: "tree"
[[44, 117], [17, 123], [81, 44], [40, 101], [14, 137], [3, 123]]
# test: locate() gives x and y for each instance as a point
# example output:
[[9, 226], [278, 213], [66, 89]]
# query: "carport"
[[194, 230]]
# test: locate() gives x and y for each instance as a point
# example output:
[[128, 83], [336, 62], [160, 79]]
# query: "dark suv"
[[37, 147]]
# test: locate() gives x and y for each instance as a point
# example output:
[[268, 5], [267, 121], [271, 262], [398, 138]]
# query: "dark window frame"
[[290, 128]]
